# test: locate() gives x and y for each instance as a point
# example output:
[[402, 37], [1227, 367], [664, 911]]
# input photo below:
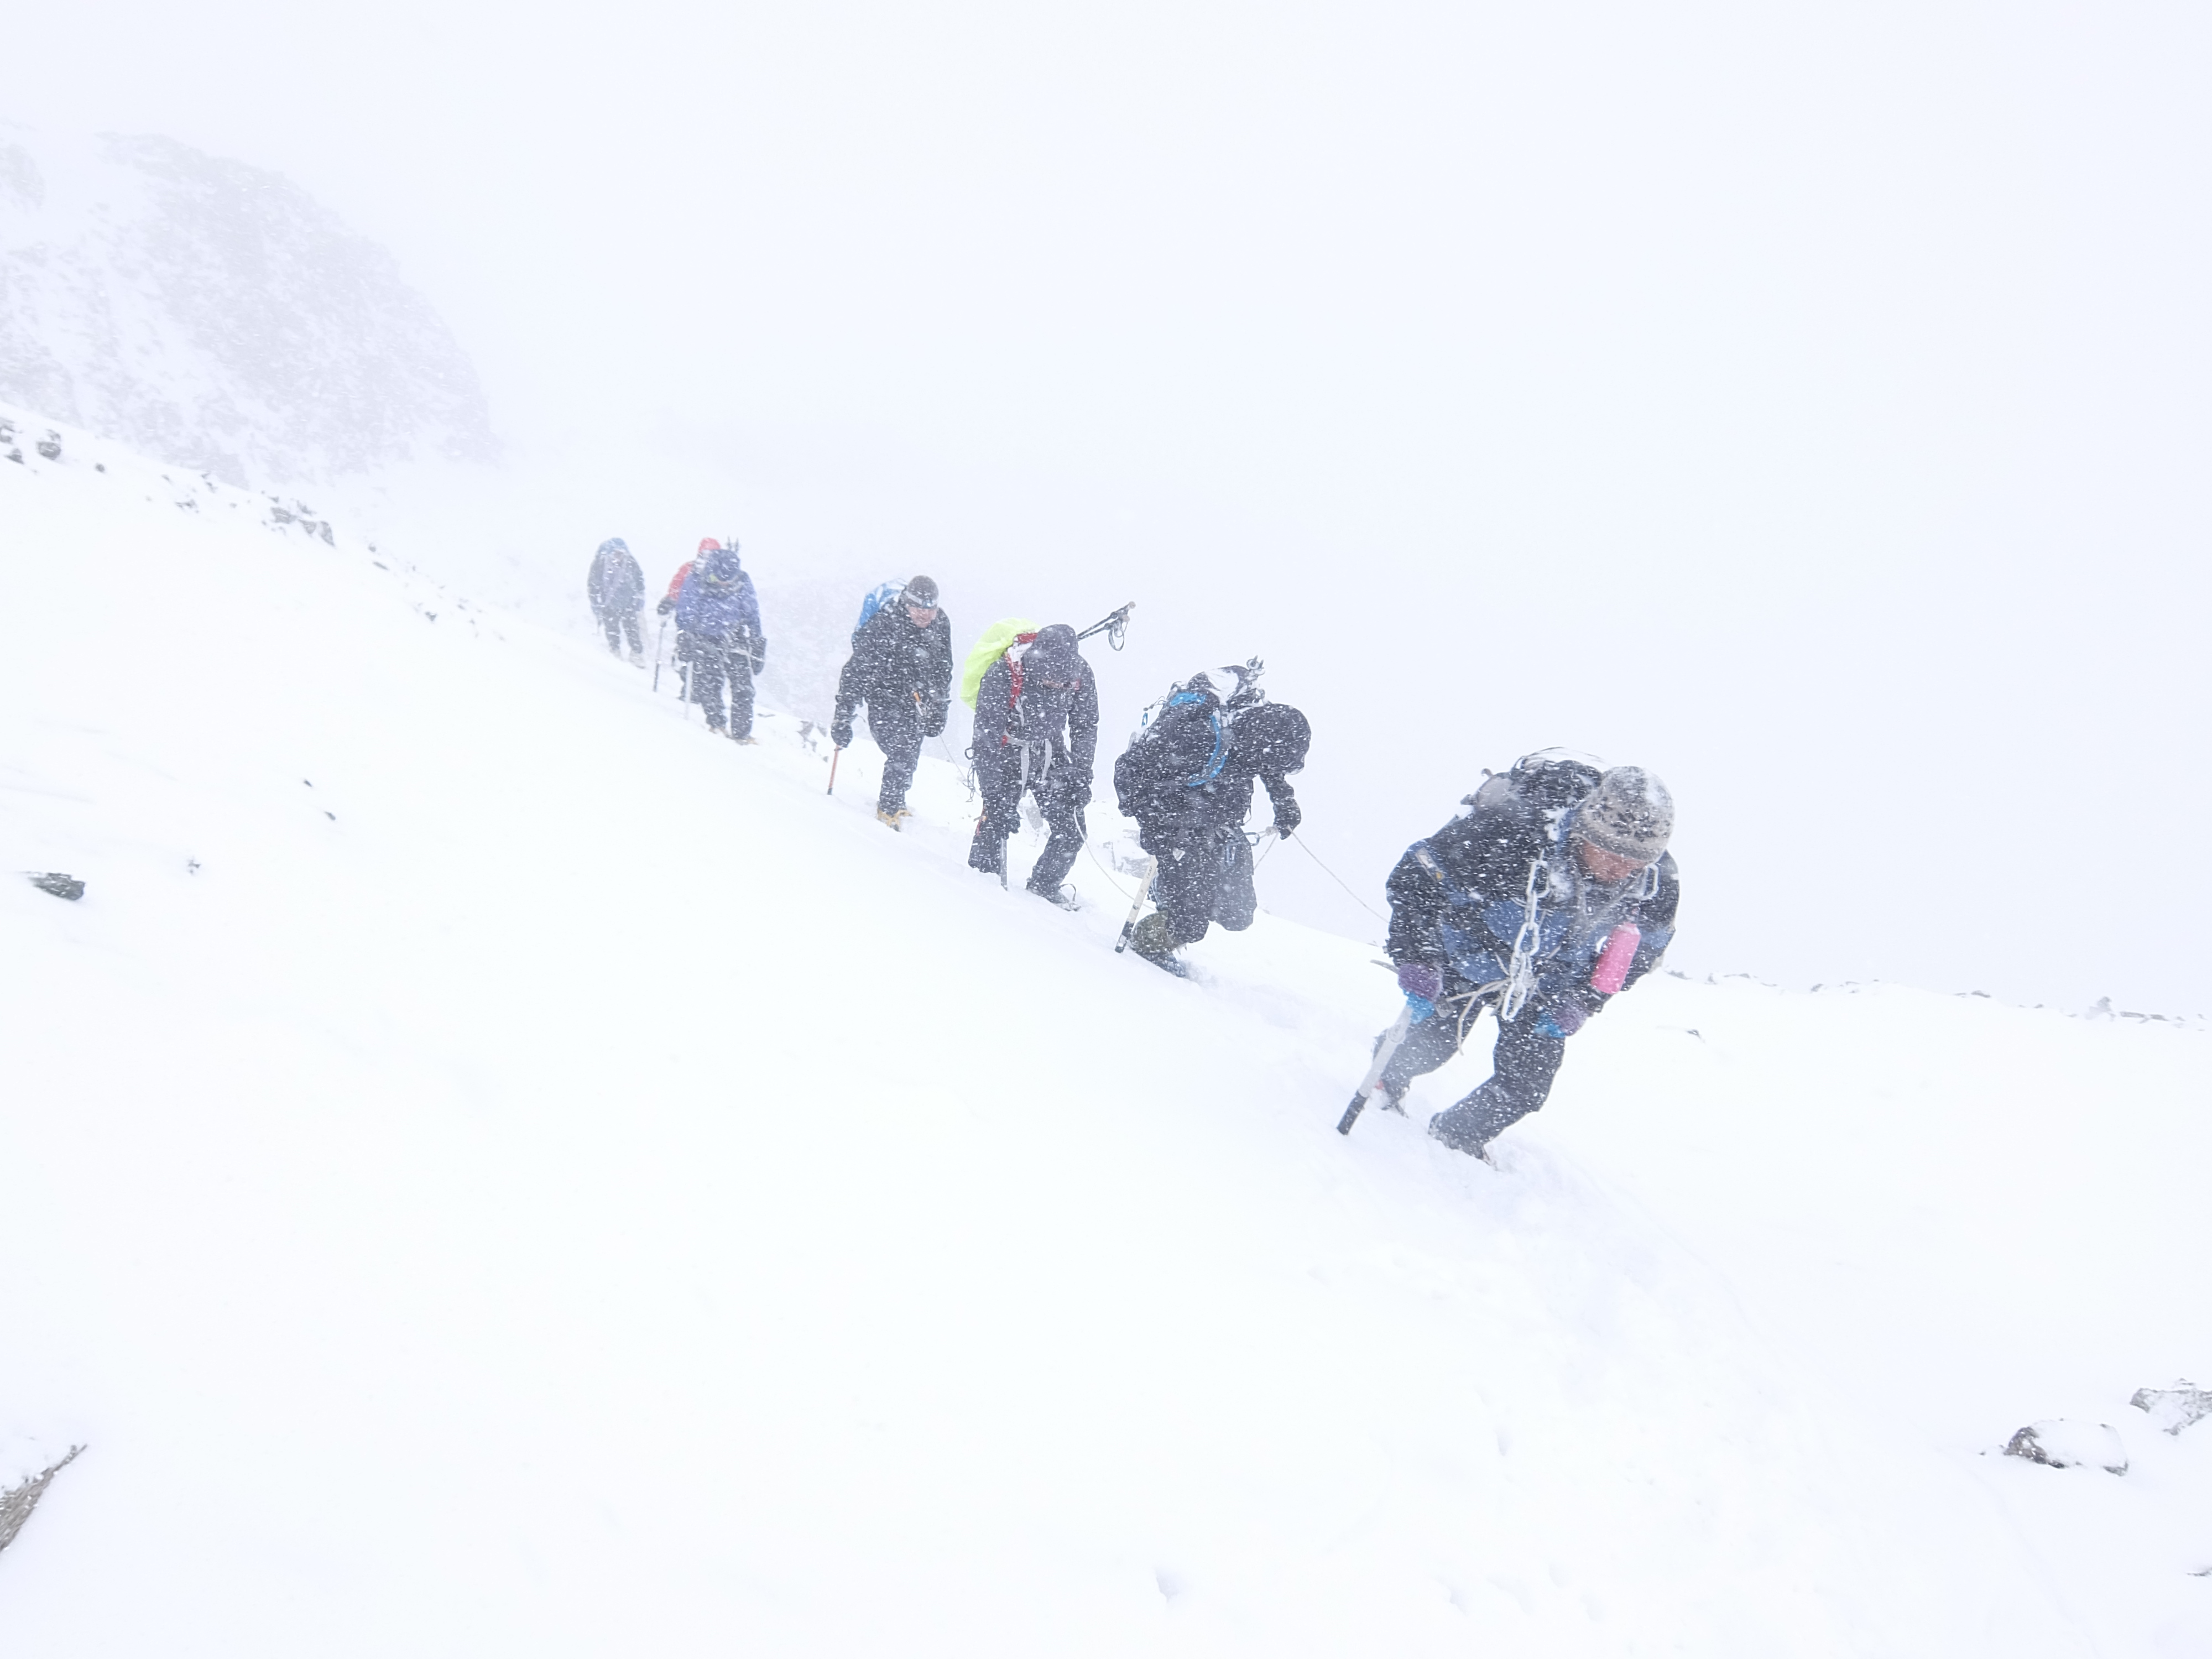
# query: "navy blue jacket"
[[715, 610], [1458, 899]]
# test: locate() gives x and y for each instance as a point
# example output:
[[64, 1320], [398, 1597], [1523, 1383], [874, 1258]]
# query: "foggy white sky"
[[1808, 403]]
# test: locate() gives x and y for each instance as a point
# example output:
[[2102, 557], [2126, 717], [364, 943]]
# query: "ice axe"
[[659, 641], [1129, 927], [1114, 625], [834, 753], [1386, 1050]]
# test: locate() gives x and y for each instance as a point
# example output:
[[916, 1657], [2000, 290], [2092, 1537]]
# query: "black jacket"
[[1458, 899], [892, 659], [1164, 780], [1060, 725]]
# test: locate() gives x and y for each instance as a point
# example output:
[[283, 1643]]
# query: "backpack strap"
[[1014, 655], [1213, 767]]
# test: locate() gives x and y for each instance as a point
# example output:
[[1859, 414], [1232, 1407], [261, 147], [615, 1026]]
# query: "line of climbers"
[[1550, 892], [719, 644]]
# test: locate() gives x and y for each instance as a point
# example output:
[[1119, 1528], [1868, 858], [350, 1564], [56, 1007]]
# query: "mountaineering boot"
[[750, 742], [1464, 1128], [1150, 941], [891, 820], [1063, 896]]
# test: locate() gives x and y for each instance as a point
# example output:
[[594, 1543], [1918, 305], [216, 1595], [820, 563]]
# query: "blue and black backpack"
[[882, 594]]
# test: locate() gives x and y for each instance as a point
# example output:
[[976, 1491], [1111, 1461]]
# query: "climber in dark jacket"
[[616, 587], [1186, 778], [1036, 729], [1551, 895], [901, 668]]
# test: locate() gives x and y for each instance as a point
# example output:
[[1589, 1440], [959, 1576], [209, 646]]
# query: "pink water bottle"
[[1613, 962]]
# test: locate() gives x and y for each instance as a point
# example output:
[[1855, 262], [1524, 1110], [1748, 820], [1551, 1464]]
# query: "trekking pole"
[[832, 789], [1129, 927], [1385, 1052], [659, 650]]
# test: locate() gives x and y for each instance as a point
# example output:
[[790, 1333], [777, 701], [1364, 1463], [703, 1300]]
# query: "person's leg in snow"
[[709, 664], [896, 729], [1235, 900], [1427, 1046], [1196, 884], [1001, 814], [1063, 812], [740, 670], [1521, 1068], [1183, 890], [636, 636]]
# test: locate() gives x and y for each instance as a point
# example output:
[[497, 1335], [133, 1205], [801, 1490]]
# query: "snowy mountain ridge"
[[510, 1172], [213, 314]]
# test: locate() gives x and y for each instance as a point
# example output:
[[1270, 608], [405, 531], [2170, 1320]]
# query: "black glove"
[[1287, 816], [933, 715], [664, 607], [840, 731]]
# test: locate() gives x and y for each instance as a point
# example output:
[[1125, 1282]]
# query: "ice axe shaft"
[[1385, 1052], [832, 789], [1129, 927]]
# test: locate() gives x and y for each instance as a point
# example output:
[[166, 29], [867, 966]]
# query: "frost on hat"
[[1630, 814], [922, 592]]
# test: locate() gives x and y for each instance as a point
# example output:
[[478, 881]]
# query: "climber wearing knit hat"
[[1552, 894], [902, 669]]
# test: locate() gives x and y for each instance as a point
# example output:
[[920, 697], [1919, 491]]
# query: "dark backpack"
[[1548, 782], [1165, 773], [1270, 739], [876, 599], [1187, 743]]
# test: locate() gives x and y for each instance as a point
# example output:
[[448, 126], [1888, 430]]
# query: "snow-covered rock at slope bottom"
[[28, 1468], [214, 315], [2063, 1445], [491, 1169], [2175, 1408]]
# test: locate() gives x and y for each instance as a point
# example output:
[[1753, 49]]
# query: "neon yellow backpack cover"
[[987, 650]]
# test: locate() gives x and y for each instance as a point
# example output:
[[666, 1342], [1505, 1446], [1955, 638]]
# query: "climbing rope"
[[1339, 880]]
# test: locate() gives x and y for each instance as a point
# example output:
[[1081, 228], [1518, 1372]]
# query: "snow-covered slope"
[[213, 314], [492, 1169]]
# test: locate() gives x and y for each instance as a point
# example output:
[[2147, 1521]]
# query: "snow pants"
[[715, 659], [1521, 1068], [1059, 798], [618, 623], [1204, 879], [897, 728]]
